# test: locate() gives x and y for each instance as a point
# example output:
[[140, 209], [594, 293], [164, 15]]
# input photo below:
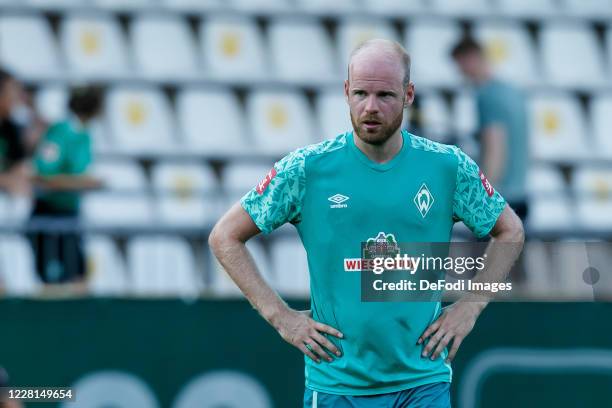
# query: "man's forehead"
[[376, 66]]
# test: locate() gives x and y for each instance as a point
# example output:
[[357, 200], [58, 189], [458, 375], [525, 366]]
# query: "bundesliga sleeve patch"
[[485, 183], [263, 184]]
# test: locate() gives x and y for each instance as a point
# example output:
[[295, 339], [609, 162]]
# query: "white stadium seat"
[[17, 270], [435, 115], [545, 181], [239, 178], [162, 266], [558, 127], [212, 121], [429, 42], [393, 7], [333, 113], [280, 121], [51, 103], [593, 182], [118, 211], [123, 4], [55, 3], [527, 8], [233, 48], [27, 46], [510, 51], [192, 5], [608, 50], [588, 8], [163, 47], [352, 31], [594, 214], [465, 116], [94, 46], [301, 50], [550, 214], [563, 44], [461, 7], [106, 274], [187, 194], [120, 175], [326, 5], [601, 117], [291, 276], [261, 5], [140, 120]]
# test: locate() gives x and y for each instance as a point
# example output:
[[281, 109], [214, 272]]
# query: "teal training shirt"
[[338, 198], [501, 104]]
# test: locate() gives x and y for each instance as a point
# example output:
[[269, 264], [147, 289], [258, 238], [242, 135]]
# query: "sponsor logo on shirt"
[[338, 201], [423, 200], [381, 245], [486, 184], [263, 184]]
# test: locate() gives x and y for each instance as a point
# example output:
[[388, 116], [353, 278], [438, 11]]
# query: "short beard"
[[384, 134]]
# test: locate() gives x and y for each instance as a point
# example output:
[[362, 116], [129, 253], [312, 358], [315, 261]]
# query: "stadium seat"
[[94, 46], [106, 274], [109, 209], [429, 42], [593, 183], [123, 4], [27, 47], [608, 49], [261, 5], [163, 48], [333, 113], [460, 7], [326, 6], [557, 126], [545, 182], [594, 214], [187, 194], [436, 118], [588, 8], [527, 8], [465, 116], [121, 176], [510, 51], [394, 7], [547, 214], [238, 178], [140, 120], [55, 3], [192, 5], [312, 61], [51, 103], [233, 48], [17, 271], [601, 117], [563, 44], [291, 276], [280, 121], [212, 121], [222, 284], [162, 266], [353, 31]]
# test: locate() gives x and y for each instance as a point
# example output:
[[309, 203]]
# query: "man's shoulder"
[[298, 157], [427, 145]]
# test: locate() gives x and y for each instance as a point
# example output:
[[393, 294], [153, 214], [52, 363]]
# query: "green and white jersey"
[[338, 198]]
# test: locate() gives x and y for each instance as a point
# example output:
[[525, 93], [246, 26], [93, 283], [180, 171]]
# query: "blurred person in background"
[[14, 168], [502, 125], [60, 164]]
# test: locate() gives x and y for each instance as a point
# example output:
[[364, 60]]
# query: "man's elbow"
[[215, 239], [516, 230]]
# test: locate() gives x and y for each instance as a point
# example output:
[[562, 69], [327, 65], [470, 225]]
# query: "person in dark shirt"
[[14, 170]]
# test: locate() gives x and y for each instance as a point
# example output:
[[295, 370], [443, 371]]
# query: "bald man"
[[374, 182]]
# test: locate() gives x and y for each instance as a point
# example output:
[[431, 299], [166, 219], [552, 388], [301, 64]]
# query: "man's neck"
[[381, 153]]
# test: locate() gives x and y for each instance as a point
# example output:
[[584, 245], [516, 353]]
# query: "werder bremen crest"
[[423, 200]]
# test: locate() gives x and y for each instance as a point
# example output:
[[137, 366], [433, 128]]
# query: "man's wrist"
[[275, 313]]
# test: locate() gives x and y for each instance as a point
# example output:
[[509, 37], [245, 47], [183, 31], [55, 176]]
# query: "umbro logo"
[[338, 201], [423, 200]]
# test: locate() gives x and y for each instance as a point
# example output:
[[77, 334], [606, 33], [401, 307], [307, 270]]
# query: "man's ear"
[[346, 89], [409, 94]]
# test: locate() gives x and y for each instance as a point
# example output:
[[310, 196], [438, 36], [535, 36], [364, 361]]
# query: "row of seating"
[[542, 8], [161, 47], [212, 121], [158, 266]]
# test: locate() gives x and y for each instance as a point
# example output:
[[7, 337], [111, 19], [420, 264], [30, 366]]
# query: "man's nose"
[[371, 105]]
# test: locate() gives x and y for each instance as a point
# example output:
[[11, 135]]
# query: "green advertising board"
[[220, 353]]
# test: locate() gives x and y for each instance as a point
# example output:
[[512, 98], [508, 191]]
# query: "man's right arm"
[[227, 241]]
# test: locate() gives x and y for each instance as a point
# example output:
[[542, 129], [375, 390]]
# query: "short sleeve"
[[475, 201], [50, 155], [277, 199]]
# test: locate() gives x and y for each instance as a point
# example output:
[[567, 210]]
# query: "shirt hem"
[[382, 390]]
